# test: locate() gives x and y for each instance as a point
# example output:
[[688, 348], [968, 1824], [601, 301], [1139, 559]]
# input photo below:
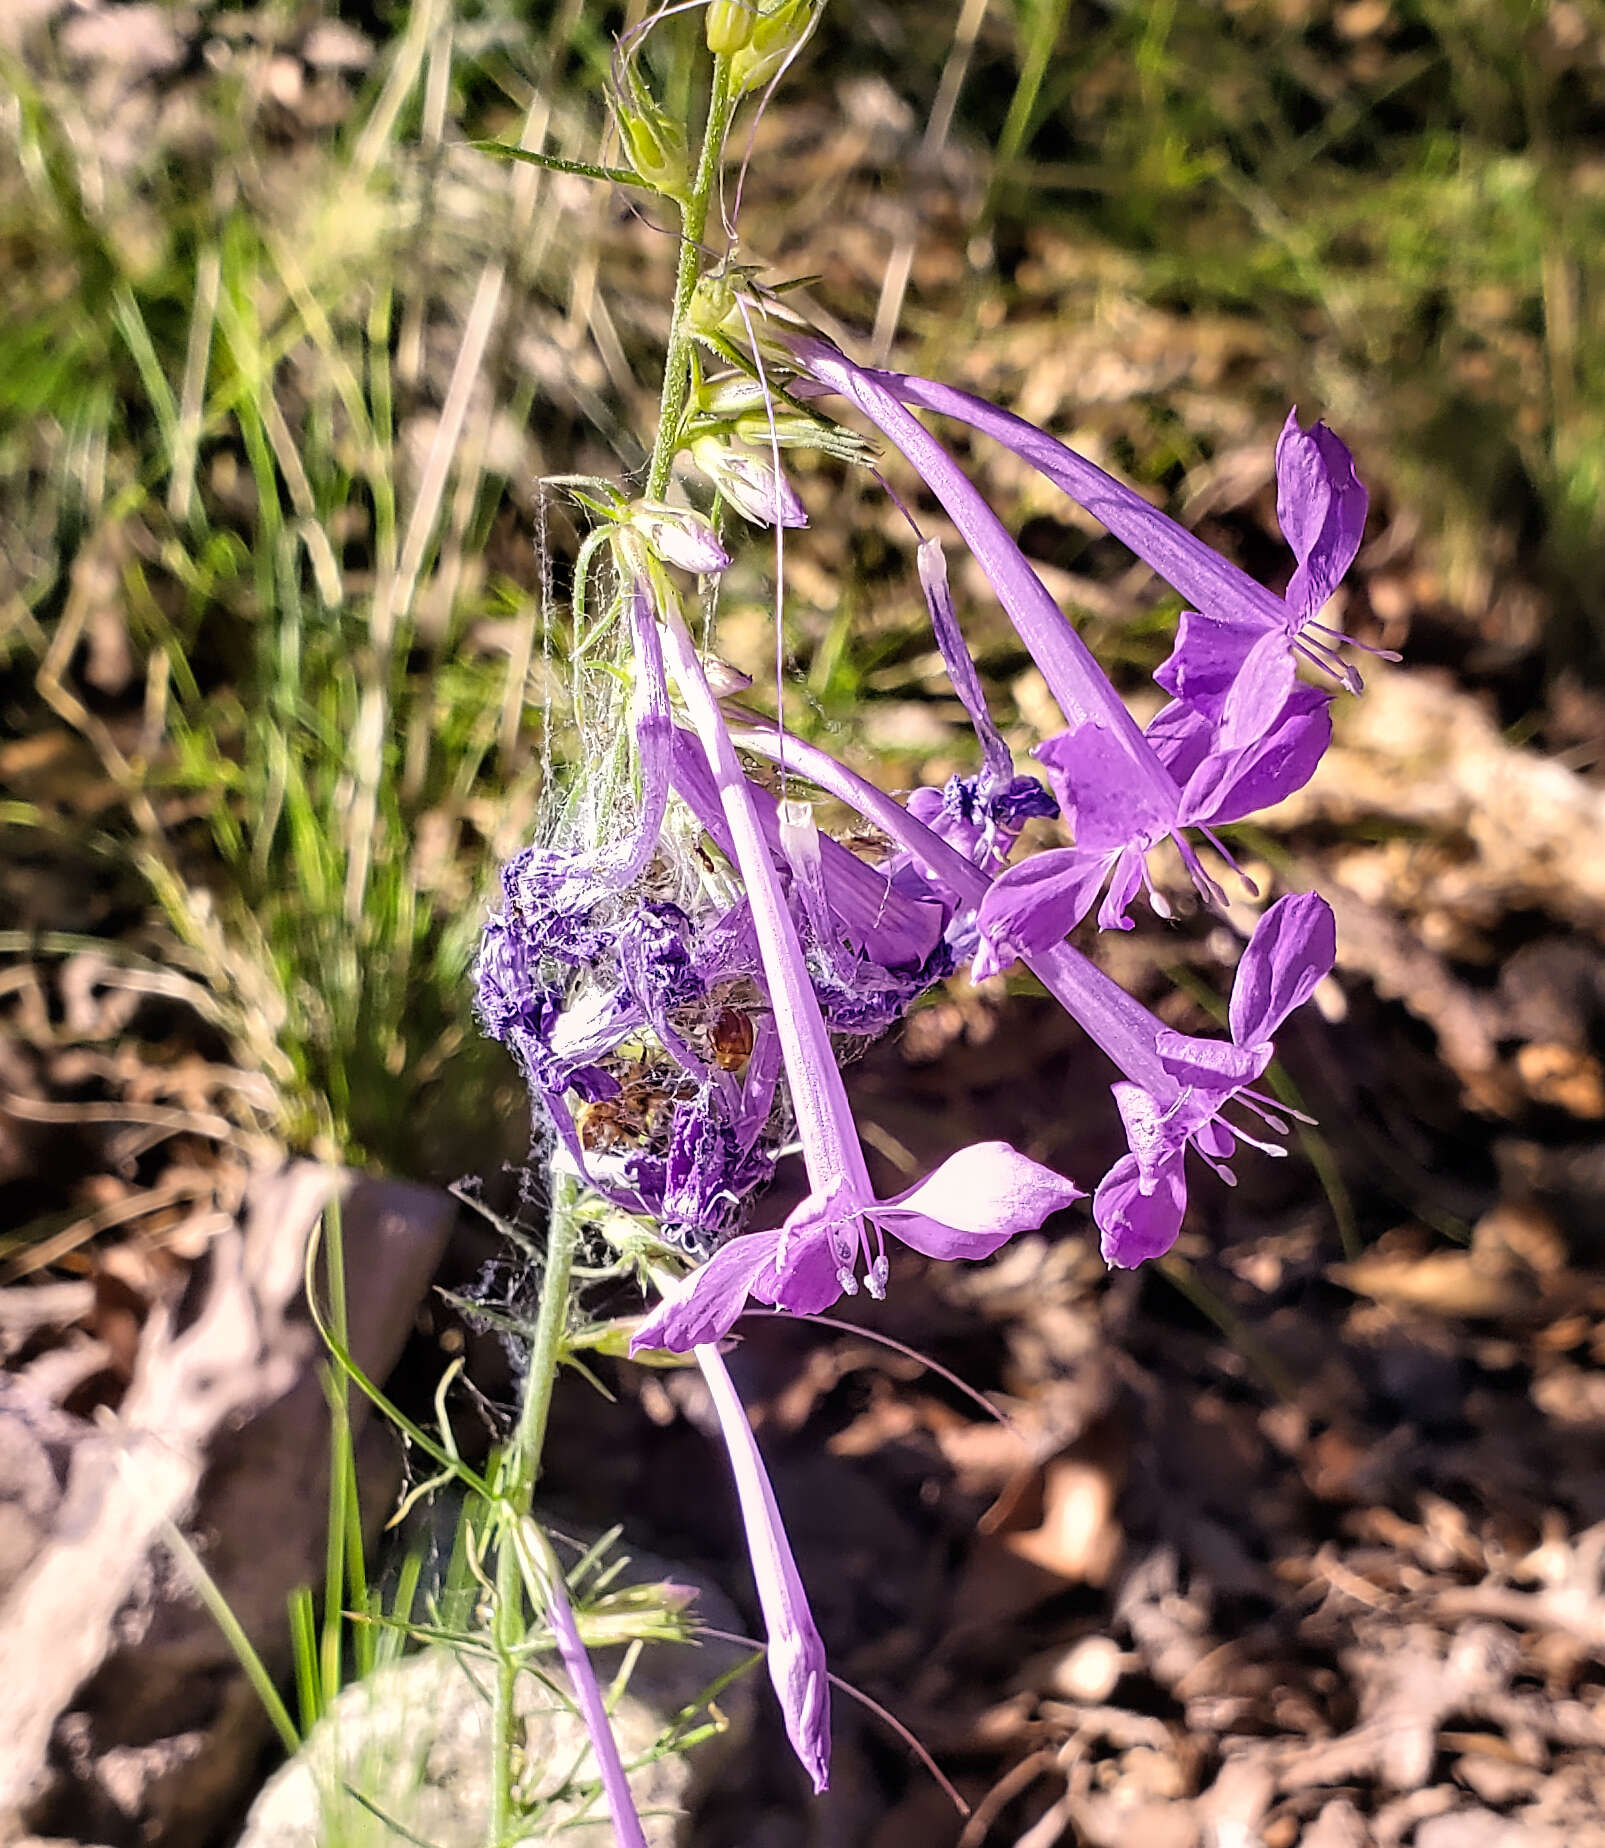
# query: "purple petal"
[[1256, 698], [974, 1202], [1212, 1067], [1034, 904], [1124, 884], [1293, 948], [1090, 769], [1322, 507], [805, 1277], [705, 1305], [1137, 1225], [1229, 785], [796, 1655], [1209, 653], [1183, 736]]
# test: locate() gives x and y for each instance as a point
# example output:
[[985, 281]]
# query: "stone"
[[412, 1744]]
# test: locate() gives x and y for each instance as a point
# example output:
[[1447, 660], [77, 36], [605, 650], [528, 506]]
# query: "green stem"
[[520, 1470], [693, 223]]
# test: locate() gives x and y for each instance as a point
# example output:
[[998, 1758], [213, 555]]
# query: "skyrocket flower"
[[1231, 770], [1140, 1202], [1114, 779]]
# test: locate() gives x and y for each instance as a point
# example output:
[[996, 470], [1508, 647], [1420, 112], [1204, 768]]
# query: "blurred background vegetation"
[[282, 362]]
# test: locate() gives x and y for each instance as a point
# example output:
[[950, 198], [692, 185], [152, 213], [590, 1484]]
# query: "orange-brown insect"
[[730, 1039], [628, 1121]]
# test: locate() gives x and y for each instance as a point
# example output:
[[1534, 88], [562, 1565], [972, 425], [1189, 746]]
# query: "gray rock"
[[411, 1747]]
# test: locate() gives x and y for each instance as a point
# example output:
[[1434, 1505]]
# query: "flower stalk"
[[693, 227]]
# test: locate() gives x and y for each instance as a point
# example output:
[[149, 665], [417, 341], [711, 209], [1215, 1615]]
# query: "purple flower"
[[986, 1193], [1139, 1205], [680, 536], [1074, 677], [796, 1656], [1228, 770], [1126, 798], [1322, 506], [966, 1207], [751, 482]]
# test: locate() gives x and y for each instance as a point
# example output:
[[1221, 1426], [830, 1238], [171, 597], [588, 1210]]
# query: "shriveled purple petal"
[[796, 1655], [1293, 948], [974, 1202], [1033, 905], [1136, 1225], [1321, 506], [705, 1305]]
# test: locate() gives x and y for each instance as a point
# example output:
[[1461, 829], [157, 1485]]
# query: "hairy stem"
[[520, 1469], [693, 223]]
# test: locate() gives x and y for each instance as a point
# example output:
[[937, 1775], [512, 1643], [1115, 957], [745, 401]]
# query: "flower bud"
[[778, 29], [729, 25], [680, 536], [654, 143], [733, 394], [783, 427], [750, 482], [713, 307]]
